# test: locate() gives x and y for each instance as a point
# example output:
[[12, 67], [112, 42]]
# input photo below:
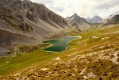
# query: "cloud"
[[84, 8]]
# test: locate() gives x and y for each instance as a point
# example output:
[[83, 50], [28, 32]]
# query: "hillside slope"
[[22, 21], [95, 56], [113, 20]]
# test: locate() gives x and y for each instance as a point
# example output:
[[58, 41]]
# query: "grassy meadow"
[[93, 57]]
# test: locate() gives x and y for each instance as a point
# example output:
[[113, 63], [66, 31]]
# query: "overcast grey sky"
[[84, 8]]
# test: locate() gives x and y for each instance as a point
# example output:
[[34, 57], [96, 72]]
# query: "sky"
[[84, 8]]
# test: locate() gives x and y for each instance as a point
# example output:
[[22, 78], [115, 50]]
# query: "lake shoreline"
[[57, 43]]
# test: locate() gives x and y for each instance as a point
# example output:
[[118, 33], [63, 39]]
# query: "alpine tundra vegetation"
[[36, 43]]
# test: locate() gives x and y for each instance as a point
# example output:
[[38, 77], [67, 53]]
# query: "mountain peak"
[[95, 19], [75, 14], [78, 22]]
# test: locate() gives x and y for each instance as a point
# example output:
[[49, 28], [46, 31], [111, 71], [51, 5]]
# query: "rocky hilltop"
[[78, 22], [113, 20]]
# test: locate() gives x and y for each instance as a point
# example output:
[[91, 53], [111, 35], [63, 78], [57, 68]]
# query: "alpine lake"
[[61, 44]]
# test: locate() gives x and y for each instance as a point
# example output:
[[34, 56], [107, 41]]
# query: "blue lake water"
[[59, 45]]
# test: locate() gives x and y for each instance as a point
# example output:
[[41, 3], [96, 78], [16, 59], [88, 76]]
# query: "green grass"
[[11, 64], [84, 46]]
